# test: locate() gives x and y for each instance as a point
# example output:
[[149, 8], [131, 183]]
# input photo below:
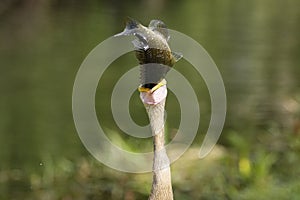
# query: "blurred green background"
[[255, 44]]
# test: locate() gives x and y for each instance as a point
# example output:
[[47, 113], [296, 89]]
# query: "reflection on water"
[[255, 45]]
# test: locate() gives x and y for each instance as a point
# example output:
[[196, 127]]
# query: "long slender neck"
[[161, 185]]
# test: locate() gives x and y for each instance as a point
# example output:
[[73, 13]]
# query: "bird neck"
[[161, 185]]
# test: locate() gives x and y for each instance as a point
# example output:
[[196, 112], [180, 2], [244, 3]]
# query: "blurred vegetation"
[[256, 46]]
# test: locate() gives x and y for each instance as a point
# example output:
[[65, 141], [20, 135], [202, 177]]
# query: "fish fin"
[[177, 56], [160, 27], [138, 44], [131, 26], [141, 42]]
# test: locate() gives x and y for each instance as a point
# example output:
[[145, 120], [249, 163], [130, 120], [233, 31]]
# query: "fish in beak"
[[152, 51]]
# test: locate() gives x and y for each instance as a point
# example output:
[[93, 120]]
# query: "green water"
[[255, 45]]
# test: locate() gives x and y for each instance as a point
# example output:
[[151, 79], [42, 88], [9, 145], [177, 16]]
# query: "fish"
[[152, 52]]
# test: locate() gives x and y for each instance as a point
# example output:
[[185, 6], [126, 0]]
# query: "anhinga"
[[155, 58]]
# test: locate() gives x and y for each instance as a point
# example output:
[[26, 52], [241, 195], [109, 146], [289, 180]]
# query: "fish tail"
[[132, 23], [131, 26]]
